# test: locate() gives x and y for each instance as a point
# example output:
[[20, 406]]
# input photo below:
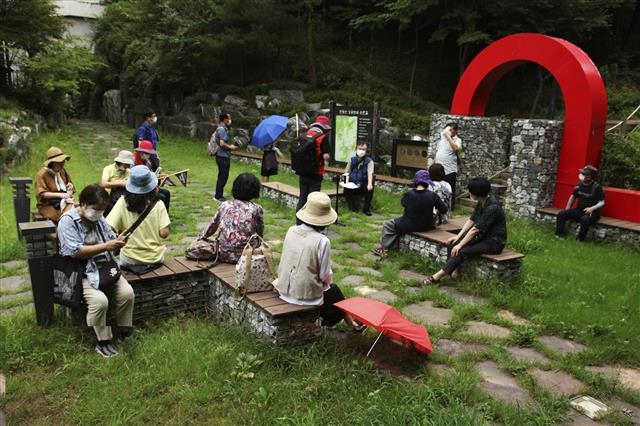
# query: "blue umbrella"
[[268, 130]]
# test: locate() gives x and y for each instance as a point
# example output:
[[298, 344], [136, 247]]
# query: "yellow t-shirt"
[[111, 173], [145, 244]]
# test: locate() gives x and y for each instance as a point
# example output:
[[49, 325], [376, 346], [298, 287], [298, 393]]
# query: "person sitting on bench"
[[484, 232], [145, 249], [54, 188]]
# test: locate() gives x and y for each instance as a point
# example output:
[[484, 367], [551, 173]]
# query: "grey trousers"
[[390, 235]]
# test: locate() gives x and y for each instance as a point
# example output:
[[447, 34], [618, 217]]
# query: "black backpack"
[[304, 158]]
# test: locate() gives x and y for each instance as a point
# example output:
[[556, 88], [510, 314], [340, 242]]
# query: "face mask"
[[229, 123], [92, 214], [360, 152], [145, 157], [581, 177], [154, 120]]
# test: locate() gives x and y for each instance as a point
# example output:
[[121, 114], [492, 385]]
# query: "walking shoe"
[[367, 212], [221, 199], [104, 351]]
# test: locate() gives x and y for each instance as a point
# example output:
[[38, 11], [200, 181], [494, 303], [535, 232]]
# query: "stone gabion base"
[[508, 271], [597, 231], [287, 200], [295, 329], [166, 296]]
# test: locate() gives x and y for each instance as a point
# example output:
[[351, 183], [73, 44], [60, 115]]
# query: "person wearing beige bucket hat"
[[54, 187], [304, 272], [115, 175]]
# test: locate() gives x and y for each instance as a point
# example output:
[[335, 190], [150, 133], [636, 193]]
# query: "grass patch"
[[192, 370]]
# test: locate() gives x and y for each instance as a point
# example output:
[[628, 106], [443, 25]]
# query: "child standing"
[[269, 161]]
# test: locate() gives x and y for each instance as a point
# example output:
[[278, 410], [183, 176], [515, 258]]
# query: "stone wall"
[[294, 329], [533, 165], [485, 144]]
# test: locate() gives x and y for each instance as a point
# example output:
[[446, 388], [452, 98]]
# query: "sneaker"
[[112, 348], [367, 213], [104, 351], [221, 199]]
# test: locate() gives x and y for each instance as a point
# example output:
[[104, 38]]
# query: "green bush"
[[620, 164]]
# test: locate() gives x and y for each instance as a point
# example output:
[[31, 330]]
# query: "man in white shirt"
[[448, 146]]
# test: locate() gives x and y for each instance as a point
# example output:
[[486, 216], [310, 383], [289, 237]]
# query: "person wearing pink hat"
[[309, 183], [590, 197], [144, 155]]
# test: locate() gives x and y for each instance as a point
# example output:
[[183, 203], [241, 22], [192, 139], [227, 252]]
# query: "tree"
[[25, 26]]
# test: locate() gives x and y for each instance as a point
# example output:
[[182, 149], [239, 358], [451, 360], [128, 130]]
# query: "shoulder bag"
[[254, 270]]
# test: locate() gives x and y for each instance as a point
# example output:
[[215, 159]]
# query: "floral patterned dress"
[[237, 220]]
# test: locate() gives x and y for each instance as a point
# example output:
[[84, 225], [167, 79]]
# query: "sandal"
[[359, 328], [379, 251], [430, 280]]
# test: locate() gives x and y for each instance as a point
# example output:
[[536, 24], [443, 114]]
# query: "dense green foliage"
[[171, 49]]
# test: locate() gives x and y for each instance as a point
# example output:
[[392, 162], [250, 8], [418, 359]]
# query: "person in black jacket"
[[590, 198], [418, 205]]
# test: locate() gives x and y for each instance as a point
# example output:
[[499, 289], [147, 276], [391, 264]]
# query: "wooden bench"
[[505, 266], [264, 313], [606, 229], [288, 195]]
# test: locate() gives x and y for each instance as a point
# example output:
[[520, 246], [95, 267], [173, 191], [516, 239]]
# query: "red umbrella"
[[388, 321]]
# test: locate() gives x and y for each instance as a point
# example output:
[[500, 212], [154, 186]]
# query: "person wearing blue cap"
[[418, 205], [145, 248]]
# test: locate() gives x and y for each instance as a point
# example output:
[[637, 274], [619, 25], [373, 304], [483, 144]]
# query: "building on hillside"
[[80, 13]]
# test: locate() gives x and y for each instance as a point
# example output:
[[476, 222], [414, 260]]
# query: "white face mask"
[[581, 177], [360, 152], [92, 214], [154, 120]]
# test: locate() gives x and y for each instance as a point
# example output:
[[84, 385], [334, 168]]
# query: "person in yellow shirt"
[[114, 177], [145, 247]]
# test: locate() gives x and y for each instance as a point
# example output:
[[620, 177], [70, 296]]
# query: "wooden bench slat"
[[175, 266], [504, 256], [454, 225], [263, 295], [130, 276], [191, 265], [436, 235], [288, 308], [164, 271]]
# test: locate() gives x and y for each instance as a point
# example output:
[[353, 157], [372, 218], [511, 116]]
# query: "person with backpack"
[[308, 156], [223, 154], [147, 132], [359, 170]]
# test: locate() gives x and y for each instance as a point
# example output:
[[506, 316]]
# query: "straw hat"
[[55, 155], [125, 157], [141, 180], [146, 146], [317, 211]]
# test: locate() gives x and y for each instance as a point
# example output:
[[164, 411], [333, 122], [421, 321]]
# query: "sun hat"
[[125, 157], [323, 122], [146, 146], [317, 211], [55, 155], [422, 177], [589, 171], [141, 180]]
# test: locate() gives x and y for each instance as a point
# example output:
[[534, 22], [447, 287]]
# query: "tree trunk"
[[313, 78], [415, 61], [536, 99]]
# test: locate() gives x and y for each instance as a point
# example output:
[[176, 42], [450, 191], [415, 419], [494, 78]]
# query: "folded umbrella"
[[268, 130], [388, 321]]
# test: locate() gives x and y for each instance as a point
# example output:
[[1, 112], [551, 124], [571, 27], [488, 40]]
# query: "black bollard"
[[40, 250], [21, 202]]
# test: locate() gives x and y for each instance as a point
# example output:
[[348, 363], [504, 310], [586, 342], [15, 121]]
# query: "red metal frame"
[[585, 106]]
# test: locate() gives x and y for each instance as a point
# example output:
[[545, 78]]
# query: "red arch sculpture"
[[585, 106]]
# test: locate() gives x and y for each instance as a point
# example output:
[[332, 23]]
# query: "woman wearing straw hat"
[[54, 188], [304, 273]]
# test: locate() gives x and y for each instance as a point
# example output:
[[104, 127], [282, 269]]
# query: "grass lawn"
[[192, 370]]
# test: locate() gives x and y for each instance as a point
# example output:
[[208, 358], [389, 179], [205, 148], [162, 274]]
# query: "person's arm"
[[466, 227], [572, 198], [212, 228], [347, 170], [87, 252], [370, 176], [598, 205], [224, 143], [258, 221], [440, 205], [452, 143], [325, 147], [164, 232], [467, 237], [324, 261], [163, 220]]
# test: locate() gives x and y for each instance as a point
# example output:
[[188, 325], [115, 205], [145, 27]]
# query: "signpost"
[[408, 154], [350, 126]]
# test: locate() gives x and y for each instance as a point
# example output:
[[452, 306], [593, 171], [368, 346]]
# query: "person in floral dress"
[[237, 219]]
